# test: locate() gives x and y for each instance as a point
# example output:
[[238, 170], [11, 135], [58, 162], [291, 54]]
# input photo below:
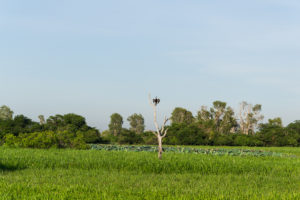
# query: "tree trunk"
[[159, 133], [160, 151]]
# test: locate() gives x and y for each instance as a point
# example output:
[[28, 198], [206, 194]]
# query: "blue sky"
[[95, 58]]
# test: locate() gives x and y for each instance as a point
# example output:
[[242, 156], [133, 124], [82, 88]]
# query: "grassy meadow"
[[99, 174]]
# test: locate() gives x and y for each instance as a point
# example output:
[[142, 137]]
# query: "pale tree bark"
[[249, 117], [242, 123], [160, 133], [245, 110]]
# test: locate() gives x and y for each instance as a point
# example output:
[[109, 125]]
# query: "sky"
[[95, 58]]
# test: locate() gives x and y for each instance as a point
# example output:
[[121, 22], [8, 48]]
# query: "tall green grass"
[[93, 174]]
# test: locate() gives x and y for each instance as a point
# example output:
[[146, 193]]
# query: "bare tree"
[[249, 116], [160, 133], [6, 113], [42, 119]]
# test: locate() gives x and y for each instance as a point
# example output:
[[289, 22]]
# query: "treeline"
[[217, 125], [60, 131]]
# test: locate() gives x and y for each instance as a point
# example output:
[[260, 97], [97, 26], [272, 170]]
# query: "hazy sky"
[[95, 58]]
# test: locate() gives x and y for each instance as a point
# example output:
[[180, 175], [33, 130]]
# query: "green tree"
[[186, 134], [137, 123], [181, 115], [276, 122], [20, 124], [6, 126], [74, 122], [294, 129], [6, 113], [218, 110], [295, 126], [228, 123], [115, 125], [274, 134], [54, 122], [218, 119], [204, 114], [71, 122], [217, 113], [23, 124]]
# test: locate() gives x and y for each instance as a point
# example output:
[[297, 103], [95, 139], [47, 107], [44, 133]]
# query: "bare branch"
[[165, 133], [150, 100], [154, 133], [164, 124], [166, 120], [155, 120]]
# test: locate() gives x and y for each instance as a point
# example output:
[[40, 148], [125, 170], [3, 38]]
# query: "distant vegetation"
[[61, 131], [218, 125]]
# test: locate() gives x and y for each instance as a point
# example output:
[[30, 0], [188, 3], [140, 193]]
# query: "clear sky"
[[95, 58]]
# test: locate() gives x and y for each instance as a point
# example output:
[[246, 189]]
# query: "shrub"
[[90, 136], [47, 139], [225, 140], [186, 134], [247, 140], [10, 140], [149, 138], [129, 137], [108, 137]]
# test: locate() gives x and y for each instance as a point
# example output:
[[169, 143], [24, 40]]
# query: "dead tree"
[[249, 116], [42, 119], [160, 133]]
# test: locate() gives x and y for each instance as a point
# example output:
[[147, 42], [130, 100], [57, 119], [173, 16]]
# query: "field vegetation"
[[102, 174]]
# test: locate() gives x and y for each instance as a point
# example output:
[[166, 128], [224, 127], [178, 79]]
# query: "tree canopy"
[[137, 123], [181, 115], [115, 125]]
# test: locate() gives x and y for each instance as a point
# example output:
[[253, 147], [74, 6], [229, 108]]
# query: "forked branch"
[[163, 126]]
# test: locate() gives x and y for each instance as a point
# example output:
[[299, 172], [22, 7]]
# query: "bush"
[[91, 136], [149, 138], [129, 137], [10, 140], [47, 139], [108, 137], [247, 140], [185, 134], [225, 140]]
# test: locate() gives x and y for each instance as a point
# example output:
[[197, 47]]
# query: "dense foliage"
[[61, 131], [218, 125], [267, 135]]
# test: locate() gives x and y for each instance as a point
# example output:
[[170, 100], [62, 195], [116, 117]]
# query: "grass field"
[[93, 174]]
